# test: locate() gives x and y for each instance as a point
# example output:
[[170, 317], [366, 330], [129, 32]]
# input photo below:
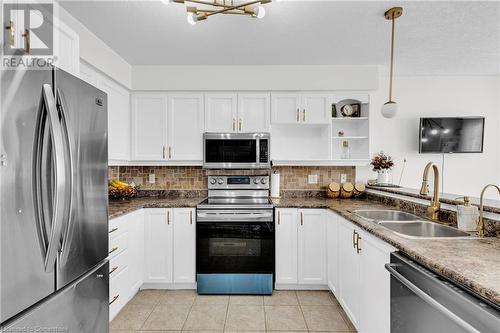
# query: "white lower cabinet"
[[300, 248], [184, 245], [126, 248], [170, 245], [363, 283]]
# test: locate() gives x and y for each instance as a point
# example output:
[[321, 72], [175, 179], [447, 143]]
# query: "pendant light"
[[390, 108]]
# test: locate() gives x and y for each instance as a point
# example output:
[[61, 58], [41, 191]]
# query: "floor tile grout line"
[[189, 312], [227, 310], [301, 311]]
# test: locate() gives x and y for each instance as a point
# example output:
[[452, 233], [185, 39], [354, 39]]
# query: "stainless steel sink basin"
[[385, 215], [424, 229]]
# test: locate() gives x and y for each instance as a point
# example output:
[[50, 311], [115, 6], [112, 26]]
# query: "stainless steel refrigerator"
[[53, 219]]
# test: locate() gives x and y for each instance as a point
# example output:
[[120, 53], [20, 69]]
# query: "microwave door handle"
[[68, 217], [428, 299], [59, 201]]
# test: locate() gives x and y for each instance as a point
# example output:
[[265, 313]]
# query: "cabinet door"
[[66, 48], [118, 120], [316, 108], [285, 108], [312, 247], [286, 246], [136, 250], [332, 251], [148, 127], [349, 266], [185, 126], [184, 245], [254, 112], [220, 112], [158, 245], [375, 303]]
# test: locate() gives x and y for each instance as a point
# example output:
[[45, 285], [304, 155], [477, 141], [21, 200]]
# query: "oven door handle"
[[428, 299], [222, 216]]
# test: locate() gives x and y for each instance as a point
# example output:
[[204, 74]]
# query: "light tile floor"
[[184, 310]]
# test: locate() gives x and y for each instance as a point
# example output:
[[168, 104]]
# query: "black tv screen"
[[451, 135]]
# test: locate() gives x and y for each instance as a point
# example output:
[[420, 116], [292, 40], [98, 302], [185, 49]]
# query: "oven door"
[[236, 246], [235, 151]]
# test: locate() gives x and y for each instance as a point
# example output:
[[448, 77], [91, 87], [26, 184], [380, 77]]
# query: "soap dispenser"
[[467, 216]]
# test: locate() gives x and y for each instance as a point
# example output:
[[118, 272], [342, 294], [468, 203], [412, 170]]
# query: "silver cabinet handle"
[[301, 218], [240, 124], [163, 152], [428, 299], [168, 217], [47, 114], [113, 250], [304, 115], [114, 299], [112, 230], [298, 114], [279, 217], [113, 270], [12, 33], [169, 152], [234, 125], [190, 217], [27, 41]]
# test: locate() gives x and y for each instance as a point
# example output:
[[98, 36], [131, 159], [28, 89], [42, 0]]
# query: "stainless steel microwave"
[[236, 151]]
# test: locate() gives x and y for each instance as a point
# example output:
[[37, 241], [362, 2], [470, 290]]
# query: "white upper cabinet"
[[221, 112], [254, 112], [149, 111], [316, 108], [286, 246], [66, 48], [118, 120], [312, 247], [301, 108], [184, 245], [118, 112], [285, 108], [185, 126]]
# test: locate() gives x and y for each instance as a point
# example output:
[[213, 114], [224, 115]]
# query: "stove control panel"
[[238, 182]]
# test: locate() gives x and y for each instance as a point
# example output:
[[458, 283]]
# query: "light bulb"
[[192, 18], [434, 131], [389, 109], [260, 12], [446, 131], [425, 139]]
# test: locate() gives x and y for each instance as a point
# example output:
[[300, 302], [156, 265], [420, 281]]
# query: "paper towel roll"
[[275, 185]]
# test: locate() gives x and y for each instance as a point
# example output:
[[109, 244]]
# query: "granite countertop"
[[473, 263], [117, 208], [489, 205]]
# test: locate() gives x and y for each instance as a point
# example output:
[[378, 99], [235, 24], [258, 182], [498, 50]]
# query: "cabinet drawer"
[[118, 244], [118, 296], [118, 263], [117, 226]]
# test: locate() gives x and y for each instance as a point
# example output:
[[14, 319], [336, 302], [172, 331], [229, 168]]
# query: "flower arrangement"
[[381, 161]]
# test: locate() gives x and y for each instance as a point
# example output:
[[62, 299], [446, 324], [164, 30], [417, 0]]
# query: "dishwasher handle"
[[428, 299]]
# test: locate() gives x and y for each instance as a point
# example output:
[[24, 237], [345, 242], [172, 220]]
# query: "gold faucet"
[[433, 209], [480, 225]]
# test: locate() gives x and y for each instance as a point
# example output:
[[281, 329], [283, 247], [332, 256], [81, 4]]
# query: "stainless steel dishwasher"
[[422, 301]]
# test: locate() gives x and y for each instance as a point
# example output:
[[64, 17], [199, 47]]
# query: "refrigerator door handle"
[[48, 115], [69, 172]]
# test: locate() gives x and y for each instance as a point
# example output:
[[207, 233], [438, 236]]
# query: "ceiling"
[[432, 38]]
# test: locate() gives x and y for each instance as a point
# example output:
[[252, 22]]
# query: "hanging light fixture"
[[390, 108], [230, 7]]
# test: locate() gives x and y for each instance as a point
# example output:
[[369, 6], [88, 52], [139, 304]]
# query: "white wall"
[[94, 51], [426, 96], [254, 77]]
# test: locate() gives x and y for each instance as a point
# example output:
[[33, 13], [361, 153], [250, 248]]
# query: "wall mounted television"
[[451, 135]]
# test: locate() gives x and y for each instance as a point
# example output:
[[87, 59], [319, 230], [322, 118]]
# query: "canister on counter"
[[347, 190], [333, 190]]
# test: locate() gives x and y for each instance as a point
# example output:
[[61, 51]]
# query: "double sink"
[[409, 225]]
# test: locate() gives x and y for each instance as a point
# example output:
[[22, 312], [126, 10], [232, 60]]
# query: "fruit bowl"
[[120, 190]]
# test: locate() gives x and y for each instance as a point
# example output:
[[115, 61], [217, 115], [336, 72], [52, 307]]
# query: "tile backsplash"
[[195, 178]]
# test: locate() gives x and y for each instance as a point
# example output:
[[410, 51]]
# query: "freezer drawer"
[[82, 306]]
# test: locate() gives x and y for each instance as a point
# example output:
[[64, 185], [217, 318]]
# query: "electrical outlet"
[[312, 179], [343, 177], [152, 178]]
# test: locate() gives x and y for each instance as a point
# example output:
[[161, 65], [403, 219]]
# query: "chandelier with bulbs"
[[230, 7]]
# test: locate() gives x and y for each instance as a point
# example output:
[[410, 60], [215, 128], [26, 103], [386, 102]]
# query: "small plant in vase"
[[383, 165]]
